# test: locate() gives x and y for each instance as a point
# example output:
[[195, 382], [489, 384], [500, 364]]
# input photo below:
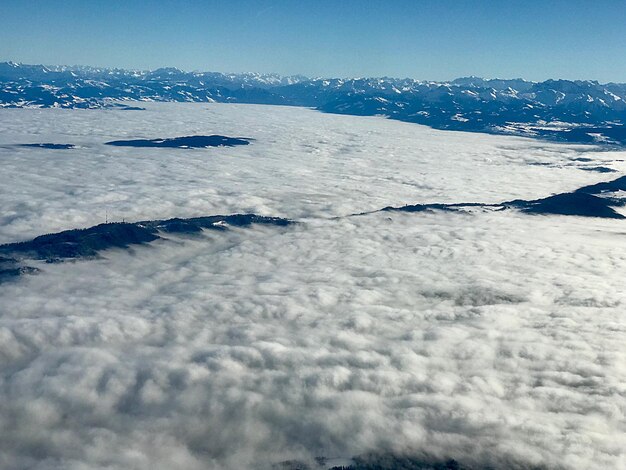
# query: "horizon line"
[[306, 77]]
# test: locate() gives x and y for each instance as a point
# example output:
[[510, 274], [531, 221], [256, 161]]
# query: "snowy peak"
[[467, 103]]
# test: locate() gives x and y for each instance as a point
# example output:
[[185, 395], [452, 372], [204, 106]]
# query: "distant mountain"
[[576, 111]]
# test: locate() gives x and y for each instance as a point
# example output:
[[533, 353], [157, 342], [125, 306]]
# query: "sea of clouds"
[[302, 164], [494, 338]]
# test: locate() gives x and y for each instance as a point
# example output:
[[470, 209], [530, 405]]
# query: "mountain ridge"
[[583, 111]]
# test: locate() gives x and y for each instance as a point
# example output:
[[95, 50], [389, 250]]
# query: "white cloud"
[[491, 338], [302, 164]]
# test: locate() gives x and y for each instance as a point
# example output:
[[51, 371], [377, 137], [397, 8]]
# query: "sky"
[[430, 40]]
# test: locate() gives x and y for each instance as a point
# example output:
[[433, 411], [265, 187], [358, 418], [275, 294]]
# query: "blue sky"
[[434, 40]]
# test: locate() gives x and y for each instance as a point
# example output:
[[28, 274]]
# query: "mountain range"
[[575, 111]]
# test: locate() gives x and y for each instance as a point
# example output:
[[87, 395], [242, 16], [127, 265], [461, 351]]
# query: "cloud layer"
[[493, 338], [301, 164]]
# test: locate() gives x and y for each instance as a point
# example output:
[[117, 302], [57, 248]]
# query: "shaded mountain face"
[[597, 200], [573, 111], [50, 146], [89, 242], [192, 141]]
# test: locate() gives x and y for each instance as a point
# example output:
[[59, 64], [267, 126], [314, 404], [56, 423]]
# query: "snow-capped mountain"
[[580, 111]]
